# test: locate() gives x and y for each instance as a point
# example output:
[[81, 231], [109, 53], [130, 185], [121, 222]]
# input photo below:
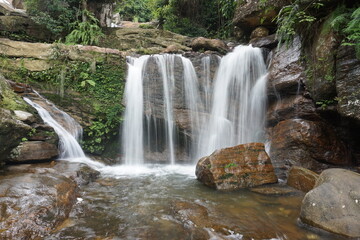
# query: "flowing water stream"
[[138, 200]]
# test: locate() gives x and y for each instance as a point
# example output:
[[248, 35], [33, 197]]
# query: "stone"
[[321, 59], [296, 106], [34, 203], [7, 9], [334, 203], [348, 82], [33, 151], [274, 190], [143, 41], [269, 42], [310, 144], [286, 71], [173, 48], [86, 175], [259, 32], [20, 87], [302, 179], [251, 14], [11, 133], [25, 116], [232, 168], [202, 43]]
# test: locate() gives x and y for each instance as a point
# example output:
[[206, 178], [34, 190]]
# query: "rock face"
[[34, 202], [306, 143], [347, 82], [251, 14], [34, 151], [334, 203], [242, 166], [321, 59], [202, 43], [302, 179], [11, 132], [143, 41]]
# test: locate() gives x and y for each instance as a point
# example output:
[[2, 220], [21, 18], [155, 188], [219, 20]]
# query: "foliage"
[[85, 32], [212, 18], [293, 18], [135, 10], [100, 96], [347, 23], [56, 15]]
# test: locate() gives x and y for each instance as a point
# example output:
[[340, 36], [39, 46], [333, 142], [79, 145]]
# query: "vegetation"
[[188, 17], [347, 23], [295, 18]]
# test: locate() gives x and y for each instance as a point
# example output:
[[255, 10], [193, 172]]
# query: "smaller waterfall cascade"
[[69, 147]]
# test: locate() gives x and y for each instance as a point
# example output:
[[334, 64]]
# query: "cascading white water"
[[154, 86], [238, 108], [69, 147], [149, 95]]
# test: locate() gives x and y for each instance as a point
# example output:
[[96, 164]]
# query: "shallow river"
[[167, 202]]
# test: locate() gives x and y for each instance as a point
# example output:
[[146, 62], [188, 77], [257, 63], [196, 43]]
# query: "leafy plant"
[[85, 32], [292, 18], [347, 23]]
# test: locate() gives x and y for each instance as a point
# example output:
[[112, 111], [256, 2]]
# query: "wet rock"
[[321, 84], [286, 71], [34, 204], [310, 144], [20, 87], [202, 43], [334, 203], [296, 106], [242, 166], [269, 42], [33, 151], [11, 133], [7, 9], [25, 116], [347, 82], [259, 32], [86, 175], [302, 179]]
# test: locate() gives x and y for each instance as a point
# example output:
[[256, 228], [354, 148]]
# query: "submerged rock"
[[334, 203], [86, 175], [302, 179], [242, 166], [35, 203]]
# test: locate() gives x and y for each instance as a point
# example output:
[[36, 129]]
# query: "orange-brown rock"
[[242, 166], [310, 144], [33, 151], [302, 179]]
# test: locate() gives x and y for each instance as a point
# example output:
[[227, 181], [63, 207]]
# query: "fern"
[[86, 33], [347, 23]]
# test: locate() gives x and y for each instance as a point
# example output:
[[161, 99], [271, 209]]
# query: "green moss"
[[10, 100]]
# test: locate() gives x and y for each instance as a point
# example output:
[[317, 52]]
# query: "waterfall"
[[167, 110], [238, 107], [69, 147]]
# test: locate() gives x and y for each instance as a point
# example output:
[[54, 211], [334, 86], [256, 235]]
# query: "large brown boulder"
[[334, 203], [302, 179], [310, 144], [242, 166], [33, 151], [202, 43]]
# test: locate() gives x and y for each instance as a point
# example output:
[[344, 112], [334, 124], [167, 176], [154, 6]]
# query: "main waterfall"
[[174, 116]]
